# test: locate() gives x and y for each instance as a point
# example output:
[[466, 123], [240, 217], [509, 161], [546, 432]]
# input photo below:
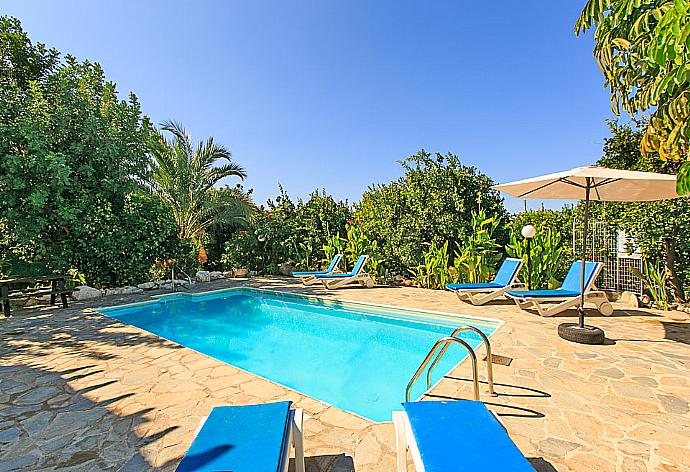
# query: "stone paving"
[[80, 391]]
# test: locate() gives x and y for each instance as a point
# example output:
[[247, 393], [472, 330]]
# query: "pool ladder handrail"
[[487, 344], [446, 341], [172, 270]]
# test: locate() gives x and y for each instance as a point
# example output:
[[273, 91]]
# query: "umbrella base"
[[587, 335]]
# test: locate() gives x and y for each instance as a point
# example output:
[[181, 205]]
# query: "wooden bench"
[[28, 287]]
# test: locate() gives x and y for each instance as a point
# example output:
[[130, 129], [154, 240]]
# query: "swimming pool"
[[355, 356]]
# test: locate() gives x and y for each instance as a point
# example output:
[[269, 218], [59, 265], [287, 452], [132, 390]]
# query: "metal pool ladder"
[[444, 343]]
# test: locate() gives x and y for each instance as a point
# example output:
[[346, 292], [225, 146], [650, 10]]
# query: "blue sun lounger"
[[356, 275], [309, 278], [457, 435], [481, 293], [567, 295], [251, 438]]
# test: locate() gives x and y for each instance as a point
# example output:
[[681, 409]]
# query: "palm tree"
[[184, 177]]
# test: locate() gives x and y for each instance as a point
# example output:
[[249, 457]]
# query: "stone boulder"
[[286, 269], [148, 285], [630, 299], [129, 290], [113, 291], [84, 292], [203, 276], [215, 275]]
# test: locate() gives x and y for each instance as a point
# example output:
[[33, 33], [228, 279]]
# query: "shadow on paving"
[[46, 424], [328, 463], [678, 332], [78, 331]]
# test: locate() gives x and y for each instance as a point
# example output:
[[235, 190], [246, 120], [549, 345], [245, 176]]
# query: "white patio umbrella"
[[594, 183]]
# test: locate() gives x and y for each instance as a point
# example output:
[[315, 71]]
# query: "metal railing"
[[172, 270], [444, 342], [487, 344]]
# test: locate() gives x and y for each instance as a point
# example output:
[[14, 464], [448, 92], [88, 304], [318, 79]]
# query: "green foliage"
[[433, 271], [334, 245], [184, 176], [431, 203], [643, 50], [661, 229], [242, 251], [289, 232], [72, 159], [655, 279], [546, 252], [356, 244], [113, 248], [480, 254]]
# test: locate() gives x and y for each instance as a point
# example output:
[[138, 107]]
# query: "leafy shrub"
[[288, 232], [118, 248], [433, 271], [356, 244], [546, 253], [479, 255], [655, 279], [431, 203]]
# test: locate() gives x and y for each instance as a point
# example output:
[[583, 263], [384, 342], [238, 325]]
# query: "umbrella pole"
[[581, 308]]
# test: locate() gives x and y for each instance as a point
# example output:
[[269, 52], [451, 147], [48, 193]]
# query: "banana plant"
[[655, 279], [477, 259], [334, 245], [433, 272], [546, 257]]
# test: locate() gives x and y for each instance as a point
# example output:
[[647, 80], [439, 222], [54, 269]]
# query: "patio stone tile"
[[84, 392]]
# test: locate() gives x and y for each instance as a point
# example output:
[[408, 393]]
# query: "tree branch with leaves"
[[643, 50]]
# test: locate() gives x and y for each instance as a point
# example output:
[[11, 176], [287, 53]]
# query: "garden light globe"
[[528, 231]]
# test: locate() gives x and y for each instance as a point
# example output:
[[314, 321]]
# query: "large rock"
[[148, 285], [203, 276], [630, 299], [286, 269], [113, 291], [215, 275], [84, 292], [129, 290]]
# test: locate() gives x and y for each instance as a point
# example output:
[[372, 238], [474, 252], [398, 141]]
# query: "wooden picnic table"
[[27, 287]]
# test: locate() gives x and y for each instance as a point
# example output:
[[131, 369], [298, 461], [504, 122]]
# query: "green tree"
[[662, 228], [71, 152], [184, 176], [643, 50], [431, 203]]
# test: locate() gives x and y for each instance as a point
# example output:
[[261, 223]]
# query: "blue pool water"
[[353, 356]]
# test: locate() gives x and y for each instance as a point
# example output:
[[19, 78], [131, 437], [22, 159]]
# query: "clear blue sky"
[[325, 94]]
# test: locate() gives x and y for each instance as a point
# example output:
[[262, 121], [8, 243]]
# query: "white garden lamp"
[[528, 232], [592, 183]]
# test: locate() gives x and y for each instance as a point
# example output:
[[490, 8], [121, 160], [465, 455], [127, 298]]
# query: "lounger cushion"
[[558, 293], [488, 286], [334, 276], [508, 271], [573, 279], [462, 435], [316, 272], [331, 267], [240, 438]]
